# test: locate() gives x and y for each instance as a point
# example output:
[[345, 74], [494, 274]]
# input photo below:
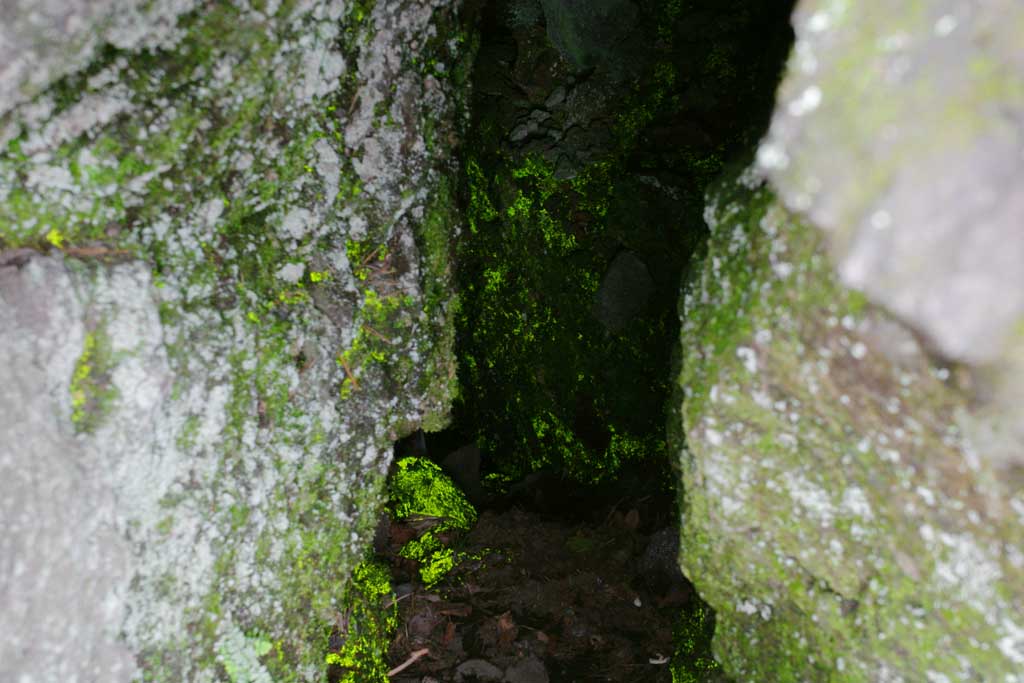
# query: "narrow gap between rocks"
[[536, 539]]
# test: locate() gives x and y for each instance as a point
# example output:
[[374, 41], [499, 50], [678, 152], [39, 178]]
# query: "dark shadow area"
[[590, 147], [595, 127]]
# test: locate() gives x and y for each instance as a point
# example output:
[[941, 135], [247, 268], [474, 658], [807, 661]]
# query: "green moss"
[[240, 653], [382, 322], [436, 238], [420, 492], [191, 134], [91, 387], [551, 387], [368, 625], [692, 661], [802, 598]]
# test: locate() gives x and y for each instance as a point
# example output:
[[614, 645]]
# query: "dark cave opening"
[[595, 127]]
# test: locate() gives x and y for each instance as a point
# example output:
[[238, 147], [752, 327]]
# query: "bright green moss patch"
[[92, 390], [366, 627], [692, 661], [420, 493], [418, 487]]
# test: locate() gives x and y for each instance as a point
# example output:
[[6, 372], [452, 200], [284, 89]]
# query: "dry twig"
[[348, 371], [378, 335], [409, 662]]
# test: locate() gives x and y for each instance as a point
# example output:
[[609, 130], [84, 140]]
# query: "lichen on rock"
[[199, 192], [835, 515], [850, 431], [897, 132]]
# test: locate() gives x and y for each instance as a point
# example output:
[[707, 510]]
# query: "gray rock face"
[[854, 506], [42, 40], [68, 562], [898, 133], [224, 288], [839, 516]]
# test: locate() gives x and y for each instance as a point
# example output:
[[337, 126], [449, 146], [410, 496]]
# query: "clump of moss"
[[552, 387], [369, 625], [92, 390], [422, 494], [692, 661]]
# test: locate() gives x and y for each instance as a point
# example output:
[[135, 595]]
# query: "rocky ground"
[[538, 596]]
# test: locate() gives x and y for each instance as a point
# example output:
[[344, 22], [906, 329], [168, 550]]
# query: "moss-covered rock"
[[897, 132], [225, 288], [836, 516], [420, 494]]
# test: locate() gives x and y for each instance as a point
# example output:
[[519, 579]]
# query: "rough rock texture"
[[836, 515], [42, 40], [851, 360], [624, 291], [224, 292], [899, 132]]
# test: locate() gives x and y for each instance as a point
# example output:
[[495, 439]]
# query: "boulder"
[[851, 436], [897, 132], [224, 294], [624, 292], [837, 514]]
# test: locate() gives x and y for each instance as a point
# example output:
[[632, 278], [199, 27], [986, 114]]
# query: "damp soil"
[[545, 597]]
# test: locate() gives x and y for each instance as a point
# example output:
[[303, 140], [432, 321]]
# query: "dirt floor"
[[538, 598]]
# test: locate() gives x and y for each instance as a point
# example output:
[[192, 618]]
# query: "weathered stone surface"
[[852, 360], [67, 567], [42, 40], [839, 519], [898, 132], [224, 292]]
